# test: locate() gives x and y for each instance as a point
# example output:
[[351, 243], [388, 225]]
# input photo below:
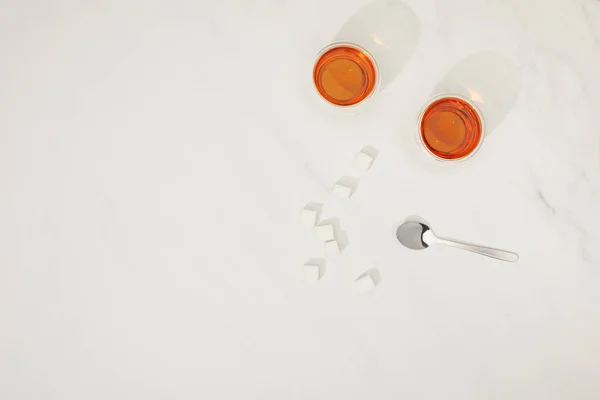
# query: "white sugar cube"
[[342, 191], [364, 284], [325, 233], [309, 217], [332, 248], [363, 161], [312, 273]]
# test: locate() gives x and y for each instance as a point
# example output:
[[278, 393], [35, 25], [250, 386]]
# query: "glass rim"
[[360, 48], [448, 95]]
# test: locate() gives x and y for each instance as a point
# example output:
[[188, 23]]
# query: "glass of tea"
[[345, 74], [450, 127]]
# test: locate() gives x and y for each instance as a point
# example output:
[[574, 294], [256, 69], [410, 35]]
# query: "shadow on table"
[[389, 30], [488, 79]]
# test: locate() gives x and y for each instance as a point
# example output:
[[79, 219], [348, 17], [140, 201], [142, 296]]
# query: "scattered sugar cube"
[[332, 248], [364, 284], [342, 191], [325, 233], [312, 273], [363, 161], [309, 217]]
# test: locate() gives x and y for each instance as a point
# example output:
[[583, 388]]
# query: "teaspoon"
[[418, 236]]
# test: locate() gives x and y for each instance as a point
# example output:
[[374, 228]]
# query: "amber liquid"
[[344, 75], [451, 128]]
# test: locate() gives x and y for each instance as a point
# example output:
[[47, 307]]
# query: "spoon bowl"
[[410, 234]]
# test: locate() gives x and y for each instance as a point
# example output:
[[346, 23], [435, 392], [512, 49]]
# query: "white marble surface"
[[155, 156]]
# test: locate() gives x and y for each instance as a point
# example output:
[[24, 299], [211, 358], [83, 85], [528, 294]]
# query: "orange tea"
[[450, 128], [345, 75]]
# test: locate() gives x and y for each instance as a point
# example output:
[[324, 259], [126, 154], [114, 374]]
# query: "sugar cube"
[[325, 232], [364, 284], [332, 248], [363, 161], [309, 217], [342, 191], [312, 273]]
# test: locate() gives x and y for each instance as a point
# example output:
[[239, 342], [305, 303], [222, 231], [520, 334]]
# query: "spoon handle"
[[486, 251]]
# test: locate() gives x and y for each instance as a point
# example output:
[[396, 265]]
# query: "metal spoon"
[[418, 236]]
